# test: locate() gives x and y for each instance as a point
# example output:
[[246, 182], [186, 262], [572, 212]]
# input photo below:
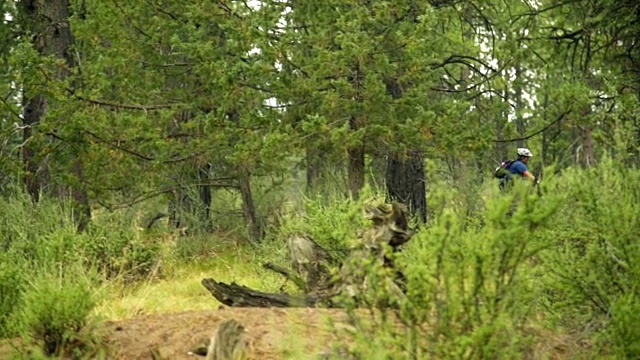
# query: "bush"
[[117, 249], [55, 309], [623, 331], [11, 288], [331, 223], [595, 262], [471, 284]]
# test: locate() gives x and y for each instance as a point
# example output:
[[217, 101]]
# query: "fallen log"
[[311, 267], [241, 296]]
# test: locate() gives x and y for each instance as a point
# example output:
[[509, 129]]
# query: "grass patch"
[[180, 289]]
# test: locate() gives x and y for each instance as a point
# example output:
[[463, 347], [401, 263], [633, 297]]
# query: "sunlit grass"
[[179, 287]]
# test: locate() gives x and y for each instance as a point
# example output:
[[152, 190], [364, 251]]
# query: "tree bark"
[[355, 169], [356, 161], [316, 161], [254, 225], [405, 174], [206, 198], [49, 21], [33, 109], [241, 296], [190, 202], [406, 183], [520, 125]]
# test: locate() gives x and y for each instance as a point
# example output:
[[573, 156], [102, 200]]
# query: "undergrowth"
[[490, 275]]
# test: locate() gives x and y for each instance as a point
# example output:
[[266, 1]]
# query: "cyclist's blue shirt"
[[517, 167]]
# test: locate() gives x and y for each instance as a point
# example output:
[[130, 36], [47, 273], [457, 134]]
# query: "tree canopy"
[[116, 103]]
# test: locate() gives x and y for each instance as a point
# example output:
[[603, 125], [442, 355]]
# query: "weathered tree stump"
[[311, 266], [228, 343]]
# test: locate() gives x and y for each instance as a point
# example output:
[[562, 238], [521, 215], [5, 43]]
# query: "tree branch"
[[537, 132], [126, 106]]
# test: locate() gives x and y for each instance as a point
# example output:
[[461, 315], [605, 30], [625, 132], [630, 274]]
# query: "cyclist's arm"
[[527, 174]]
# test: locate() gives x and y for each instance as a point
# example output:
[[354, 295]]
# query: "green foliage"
[[56, 308], [116, 249], [49, 272], [331, 222], [622, 330], [12, 281], [593, 268], [491, 284]]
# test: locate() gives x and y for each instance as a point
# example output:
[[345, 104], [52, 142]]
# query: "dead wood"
[[241, 296], [228, 343], [288, 274], [311, 266]]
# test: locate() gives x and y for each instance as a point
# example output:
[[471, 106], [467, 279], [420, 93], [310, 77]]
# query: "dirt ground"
[[271, 333]]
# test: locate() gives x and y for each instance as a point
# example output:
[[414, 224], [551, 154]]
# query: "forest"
[[146, 145]]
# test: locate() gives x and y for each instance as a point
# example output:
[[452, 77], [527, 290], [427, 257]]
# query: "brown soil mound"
[[271, 333]]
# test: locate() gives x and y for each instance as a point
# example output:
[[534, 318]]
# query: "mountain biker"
[[519, 167]]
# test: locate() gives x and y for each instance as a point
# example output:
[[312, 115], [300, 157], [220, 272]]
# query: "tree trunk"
[[190, 201], [204, 190], [254, 225], [588, 155], [315, 165], [406, 182], [355, 169], [228, 343], [33, 109], [356, 161], [49, 21], [520, 125], [405, 175]]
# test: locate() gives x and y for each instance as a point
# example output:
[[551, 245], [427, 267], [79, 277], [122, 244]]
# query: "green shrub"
[[55, 309], [331, 223], [623, 330], [471, 284], [11, 289], [595, 262]]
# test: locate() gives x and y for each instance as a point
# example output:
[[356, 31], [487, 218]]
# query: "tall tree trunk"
[[545, 134], [355, 169], [33, 108], [204, 190], [520, 125], [588, 156], [49, 21], [356, 161], [406, 182], [190, 202], [405, 174], [315, 164], [254, 225]]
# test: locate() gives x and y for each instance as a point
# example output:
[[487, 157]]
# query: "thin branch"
[[127, 106], [118, 147], [10, 108], [152, 194], [537, 132]]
